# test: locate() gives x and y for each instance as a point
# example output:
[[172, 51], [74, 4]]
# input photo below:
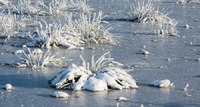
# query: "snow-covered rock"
[[59, 94], [8, 87], [162, 83]]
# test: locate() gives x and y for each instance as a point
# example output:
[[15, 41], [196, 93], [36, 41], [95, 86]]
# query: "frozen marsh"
[[161, 43]]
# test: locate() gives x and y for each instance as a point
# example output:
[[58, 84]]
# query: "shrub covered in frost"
[[100, 75], [146, 12]]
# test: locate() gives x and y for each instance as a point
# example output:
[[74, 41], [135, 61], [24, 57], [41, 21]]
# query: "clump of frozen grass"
[[97, 76], [59, 7], [146, 12], [8, 24], [30, 7], [187, 1], [55, 7], [36, 59], [90, 29], [82, 6], [183, 1], [166, 28], [48, 35]]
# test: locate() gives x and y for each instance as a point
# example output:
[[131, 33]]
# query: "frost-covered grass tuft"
[[8, 24], [47, 35], [100, 76], [36, 59], [87, 29], [30, 7], [90, 29], [82, 6], [104, 61], [54, 8], [145, 12]]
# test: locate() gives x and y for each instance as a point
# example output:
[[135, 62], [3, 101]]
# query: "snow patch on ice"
[[162, 83]]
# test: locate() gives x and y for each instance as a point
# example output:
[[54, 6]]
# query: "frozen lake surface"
[[173, 58]]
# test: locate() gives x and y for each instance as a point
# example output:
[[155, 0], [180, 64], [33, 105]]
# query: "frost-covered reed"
[[100, 75], [145, 12], [36, 59]]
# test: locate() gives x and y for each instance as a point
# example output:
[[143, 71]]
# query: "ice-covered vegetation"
[[187, 1], [8, 24], [87, 29], [100, 75], [90, 29], [146, 12], [36, 59], [55, 7]]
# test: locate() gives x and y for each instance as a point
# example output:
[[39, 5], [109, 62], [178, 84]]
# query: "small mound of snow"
[[122, 99], [59, 94], [94, 84], [8, 87], [162, 83]]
